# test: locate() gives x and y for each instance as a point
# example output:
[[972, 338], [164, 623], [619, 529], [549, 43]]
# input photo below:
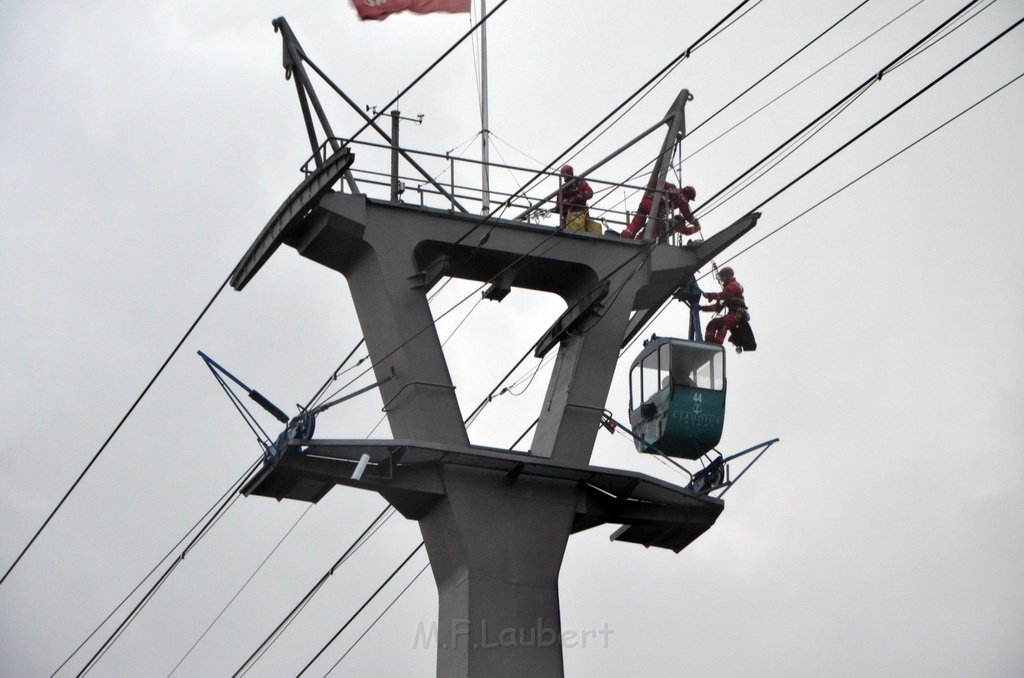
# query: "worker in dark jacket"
[[572, 200], [671, 198], [731, 299]]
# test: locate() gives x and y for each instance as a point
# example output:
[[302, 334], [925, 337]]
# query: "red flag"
[[380, 9]]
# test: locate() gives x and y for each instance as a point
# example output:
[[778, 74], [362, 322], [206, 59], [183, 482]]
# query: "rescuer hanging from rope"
[[737, 321], [572, 203], [672, 197]]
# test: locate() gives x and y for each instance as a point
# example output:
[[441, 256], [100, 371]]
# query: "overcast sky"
[[144, 146]]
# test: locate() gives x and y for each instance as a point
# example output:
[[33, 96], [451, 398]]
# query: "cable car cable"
[[117, 428], [949, 30], [876, 167], [378, 618], [245, 584], [207, 526], [747, 90], [892, 112], [237, 483], [361, 608], [652, 82], [783, 94], [781, 155], [837, 192], [567, 151], [867, 83], [374, 525]]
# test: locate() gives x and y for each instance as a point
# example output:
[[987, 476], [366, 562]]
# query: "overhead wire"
[[378, 618], [853, 181], [709, 205], [223, 507], [892, 112], [174, 351], [231, 489], [782, 154], [374, 525], [113, 433], [242, 588], [507, 203], [802, 81], [867, 83], [876, 167], [361, 608], [745, 92], [648, 86]]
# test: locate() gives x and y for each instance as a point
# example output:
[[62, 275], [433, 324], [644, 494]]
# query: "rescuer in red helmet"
[[571, 202], [672, 197], [730, 298]]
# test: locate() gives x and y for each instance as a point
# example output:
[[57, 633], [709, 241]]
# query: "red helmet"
[[725, 272], [689, 192], [566, 170]]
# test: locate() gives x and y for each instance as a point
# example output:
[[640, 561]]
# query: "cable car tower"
[[495, 522]]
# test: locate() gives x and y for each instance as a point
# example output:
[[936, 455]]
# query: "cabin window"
[[699, 366], [651, 377], [634, 387]]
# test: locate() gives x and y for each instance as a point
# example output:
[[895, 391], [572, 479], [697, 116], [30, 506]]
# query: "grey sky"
[[144, 146]]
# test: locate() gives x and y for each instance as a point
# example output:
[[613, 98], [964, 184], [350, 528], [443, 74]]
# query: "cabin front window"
[[699, 366]]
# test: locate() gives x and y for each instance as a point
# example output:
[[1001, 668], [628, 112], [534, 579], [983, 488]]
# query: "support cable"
[[117, 428], [866, 84], [660, 77], [876, 167], [707, 207], [888, 115], [361, 608], [244, 585], [374, 622], [839, 190], [237, 483], [213, 520], [374, 525], [780, 96]]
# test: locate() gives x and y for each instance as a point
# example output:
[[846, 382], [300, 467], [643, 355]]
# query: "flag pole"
[[485, 152]]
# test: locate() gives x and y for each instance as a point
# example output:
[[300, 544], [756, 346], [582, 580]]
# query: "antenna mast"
[[485, 151]]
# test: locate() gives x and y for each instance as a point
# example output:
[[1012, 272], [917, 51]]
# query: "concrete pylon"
[[495, 522]]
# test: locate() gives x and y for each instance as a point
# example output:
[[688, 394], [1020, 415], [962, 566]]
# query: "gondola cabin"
[[677, 397]]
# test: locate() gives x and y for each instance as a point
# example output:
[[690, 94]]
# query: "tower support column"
[[496, 544]]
